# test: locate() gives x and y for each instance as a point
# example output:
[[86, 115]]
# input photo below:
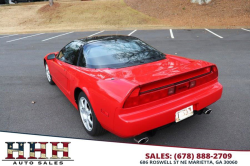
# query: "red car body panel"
[[108, 89]]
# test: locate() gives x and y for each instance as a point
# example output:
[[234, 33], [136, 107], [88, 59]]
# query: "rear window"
[[119, 52]]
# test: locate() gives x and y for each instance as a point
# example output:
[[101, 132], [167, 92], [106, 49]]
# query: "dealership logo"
[[43, 159]]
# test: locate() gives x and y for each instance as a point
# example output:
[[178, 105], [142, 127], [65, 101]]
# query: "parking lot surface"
[[23, 80]]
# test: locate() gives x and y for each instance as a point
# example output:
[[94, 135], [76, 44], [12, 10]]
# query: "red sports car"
[[123, 85]]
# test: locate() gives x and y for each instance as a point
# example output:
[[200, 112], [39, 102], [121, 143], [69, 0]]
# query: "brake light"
[[214, 69], [135, 93], [136, 98]]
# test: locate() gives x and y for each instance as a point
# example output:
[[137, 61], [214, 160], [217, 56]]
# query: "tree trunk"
[[51, 2], [201, 1]]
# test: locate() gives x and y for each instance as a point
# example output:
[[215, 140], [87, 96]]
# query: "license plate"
[[184, 113]]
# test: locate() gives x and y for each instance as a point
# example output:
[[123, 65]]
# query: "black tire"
[[97, 129], [51, 82]]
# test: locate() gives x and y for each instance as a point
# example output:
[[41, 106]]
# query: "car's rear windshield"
[[119, 52]]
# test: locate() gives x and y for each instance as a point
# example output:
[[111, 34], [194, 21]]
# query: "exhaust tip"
[[207, 111], [141, 140]]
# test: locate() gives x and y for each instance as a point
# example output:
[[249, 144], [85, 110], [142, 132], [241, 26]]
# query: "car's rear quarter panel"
[[104, 93]]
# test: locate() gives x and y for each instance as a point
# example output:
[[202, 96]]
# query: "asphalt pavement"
[[23, 80]]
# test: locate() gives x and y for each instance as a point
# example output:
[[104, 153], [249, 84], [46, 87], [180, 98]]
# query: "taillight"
[[207, 77], [133, 99], [214, 70], [135, 92], [136, 98], [143, 98]]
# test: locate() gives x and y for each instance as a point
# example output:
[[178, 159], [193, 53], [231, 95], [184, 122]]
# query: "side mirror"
[[51, 56]]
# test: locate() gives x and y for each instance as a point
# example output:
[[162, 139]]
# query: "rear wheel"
[[49, 77], [89, 120]]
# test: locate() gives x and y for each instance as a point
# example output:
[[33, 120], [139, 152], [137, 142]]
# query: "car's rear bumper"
[[132, 122]]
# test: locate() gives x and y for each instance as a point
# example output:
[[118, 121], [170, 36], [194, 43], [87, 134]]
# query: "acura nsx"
[[125, 86]]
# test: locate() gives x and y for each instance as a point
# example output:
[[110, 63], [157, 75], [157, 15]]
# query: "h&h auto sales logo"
[[44, 159]]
